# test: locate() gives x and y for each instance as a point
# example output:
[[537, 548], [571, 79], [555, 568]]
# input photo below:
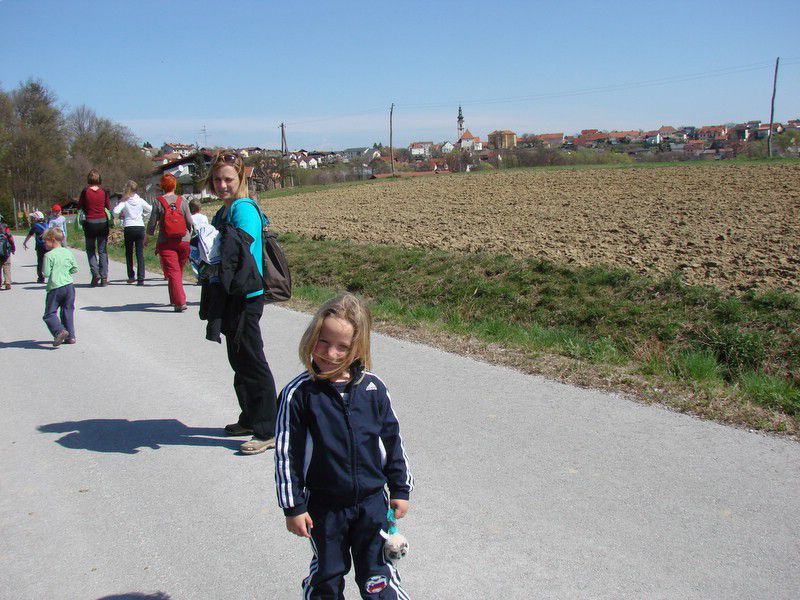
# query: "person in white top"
[[133, 210]]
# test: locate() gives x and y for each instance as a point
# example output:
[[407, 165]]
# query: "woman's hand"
[[300, 525]]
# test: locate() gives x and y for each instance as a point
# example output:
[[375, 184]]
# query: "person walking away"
[[94, 202], [38, 227], [171, 214], [59, 304], [338, 448], [199, 221], [56, 219], [133, 209], [7, 248], [240, 224]]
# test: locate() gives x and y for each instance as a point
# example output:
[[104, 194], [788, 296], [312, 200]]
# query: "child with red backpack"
[[171, 214]]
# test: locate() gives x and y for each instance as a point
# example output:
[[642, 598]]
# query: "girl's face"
[[226, 182], [333, 344]]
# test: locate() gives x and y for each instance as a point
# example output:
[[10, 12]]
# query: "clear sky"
[[330, 70]]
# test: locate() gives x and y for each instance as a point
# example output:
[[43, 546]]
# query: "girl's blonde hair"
[[351, 309], [131, 187], [233, 159]]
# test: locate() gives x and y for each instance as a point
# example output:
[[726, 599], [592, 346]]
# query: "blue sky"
[[330, 70]]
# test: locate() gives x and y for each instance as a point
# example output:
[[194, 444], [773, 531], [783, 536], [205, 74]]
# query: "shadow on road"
[[28, 345], [137, 596], [140, 307], [127, 437]]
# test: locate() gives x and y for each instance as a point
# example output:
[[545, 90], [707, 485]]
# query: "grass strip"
[[739, 351]]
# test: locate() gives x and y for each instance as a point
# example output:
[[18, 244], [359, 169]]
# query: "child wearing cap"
[[38, 227], [58, 220]]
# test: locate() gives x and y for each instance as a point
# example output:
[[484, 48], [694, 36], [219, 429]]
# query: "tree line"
[[46, 150]]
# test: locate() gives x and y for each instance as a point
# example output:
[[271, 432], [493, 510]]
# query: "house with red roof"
[[420, 149], [467, 141]]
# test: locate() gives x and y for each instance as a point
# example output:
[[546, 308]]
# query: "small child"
[[38, 227], [59, 265], [338, 445], [199, 220], [58, 220], [7, 248]]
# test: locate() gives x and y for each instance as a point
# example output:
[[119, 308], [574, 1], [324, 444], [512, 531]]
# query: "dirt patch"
[[735, 226]]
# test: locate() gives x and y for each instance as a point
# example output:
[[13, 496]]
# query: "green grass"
[[600, 316]]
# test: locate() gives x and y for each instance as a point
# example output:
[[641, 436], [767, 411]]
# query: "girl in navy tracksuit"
[[338, 445]]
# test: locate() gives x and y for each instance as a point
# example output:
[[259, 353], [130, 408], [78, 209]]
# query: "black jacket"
[[342, 450]]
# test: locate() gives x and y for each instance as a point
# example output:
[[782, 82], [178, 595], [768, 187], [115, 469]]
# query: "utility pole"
[[284, 154], [391, 145], [772, 107]]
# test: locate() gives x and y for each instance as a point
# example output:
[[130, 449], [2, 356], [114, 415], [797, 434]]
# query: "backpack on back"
[[274, 267], [173, 224], [5, 245]]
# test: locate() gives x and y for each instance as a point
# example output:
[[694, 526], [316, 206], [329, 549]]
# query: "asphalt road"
[[116, 480]]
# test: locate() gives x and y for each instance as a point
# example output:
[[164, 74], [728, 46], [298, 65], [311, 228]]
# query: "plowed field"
[[736, 226]]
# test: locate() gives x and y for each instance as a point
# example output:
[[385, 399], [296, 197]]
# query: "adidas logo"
[[372, 387]]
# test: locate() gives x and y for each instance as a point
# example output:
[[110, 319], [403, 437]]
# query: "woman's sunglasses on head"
[[228, 158]]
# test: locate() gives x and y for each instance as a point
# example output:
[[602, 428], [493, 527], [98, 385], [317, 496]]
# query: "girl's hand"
[[400, 508], [300, 525]]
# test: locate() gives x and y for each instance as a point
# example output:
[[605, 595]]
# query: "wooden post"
[[391, 145], [16, 213], [772, 107]]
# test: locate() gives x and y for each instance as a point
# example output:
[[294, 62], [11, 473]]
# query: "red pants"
[[174, 254]]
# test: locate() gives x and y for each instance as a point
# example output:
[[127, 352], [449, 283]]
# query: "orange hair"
[[168, 183]]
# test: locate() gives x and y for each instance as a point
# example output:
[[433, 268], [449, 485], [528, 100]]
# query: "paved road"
[[117, 483]]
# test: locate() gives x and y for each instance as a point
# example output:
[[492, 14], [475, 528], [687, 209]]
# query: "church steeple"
[[460, 121]]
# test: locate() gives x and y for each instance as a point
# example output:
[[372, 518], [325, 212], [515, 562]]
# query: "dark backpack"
[[274, 267], [5, 245], [173, 224]]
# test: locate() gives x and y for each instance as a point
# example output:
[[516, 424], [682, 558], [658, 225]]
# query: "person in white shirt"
[[133, 210]]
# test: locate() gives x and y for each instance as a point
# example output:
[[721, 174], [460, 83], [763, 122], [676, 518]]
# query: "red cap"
[[56, 208]]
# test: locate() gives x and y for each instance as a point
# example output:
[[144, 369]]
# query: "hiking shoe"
[[180, 307], [257, 445], [60, 337], [104, 283], [140, 282], [71, 341], [236, 429], [130, 280], [95, 281]]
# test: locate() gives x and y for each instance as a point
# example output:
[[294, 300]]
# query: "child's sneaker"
[[61, 336]]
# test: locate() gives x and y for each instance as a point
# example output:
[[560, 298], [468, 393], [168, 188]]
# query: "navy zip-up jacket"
[[344, 451]]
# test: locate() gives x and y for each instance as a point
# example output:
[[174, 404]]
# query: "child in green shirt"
[[59, 265]]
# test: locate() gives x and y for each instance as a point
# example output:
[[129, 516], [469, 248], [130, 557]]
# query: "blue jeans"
[[61, 300]]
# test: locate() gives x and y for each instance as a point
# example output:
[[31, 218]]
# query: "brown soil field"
[[736, 226]]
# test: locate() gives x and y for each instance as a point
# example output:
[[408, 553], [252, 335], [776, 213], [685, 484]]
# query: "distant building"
[[420, 149], [502, 139]]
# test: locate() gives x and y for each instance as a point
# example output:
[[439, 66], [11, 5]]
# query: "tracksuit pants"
[[96, 235], [134, 239], [339, 531], [59, 310], [40, 252], [173, 255]]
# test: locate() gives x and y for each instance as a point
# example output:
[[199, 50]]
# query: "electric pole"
[[391, 145], [772, 107]]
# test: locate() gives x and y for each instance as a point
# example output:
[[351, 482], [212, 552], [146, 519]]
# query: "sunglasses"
[[228, 158]]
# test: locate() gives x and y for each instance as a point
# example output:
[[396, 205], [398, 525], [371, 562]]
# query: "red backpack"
[[173, 225]]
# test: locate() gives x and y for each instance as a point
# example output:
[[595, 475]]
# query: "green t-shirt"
[[59, 265]]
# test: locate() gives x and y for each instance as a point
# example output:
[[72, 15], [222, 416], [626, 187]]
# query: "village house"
[[502, 139], [467, 141], [182, 150], [420, 149], [712, 132], [447, 147]]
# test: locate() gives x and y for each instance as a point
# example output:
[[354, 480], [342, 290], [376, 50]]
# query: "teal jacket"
[[245, 215]]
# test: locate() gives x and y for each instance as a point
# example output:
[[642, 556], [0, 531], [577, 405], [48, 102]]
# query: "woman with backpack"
[[94, 203], [240, 223], [133, 209], [171, 214]]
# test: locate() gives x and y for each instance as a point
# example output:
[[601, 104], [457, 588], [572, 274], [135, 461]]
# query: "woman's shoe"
[[6, 286], [180, 308], [103, 282], [257, 445], [131, 280], [95, 281]]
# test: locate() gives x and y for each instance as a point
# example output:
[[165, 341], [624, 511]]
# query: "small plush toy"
[[396, 545]]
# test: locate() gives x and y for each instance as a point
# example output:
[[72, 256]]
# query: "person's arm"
[[247, 218], [47, 265], [290, 446], [82, 200], [118, 208], [73, 266], [187, 216], [396, 469], [107, 200], [154, 216], [27, 237], [11, 243]]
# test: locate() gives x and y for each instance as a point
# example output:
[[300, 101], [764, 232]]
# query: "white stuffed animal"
[[396, 545]]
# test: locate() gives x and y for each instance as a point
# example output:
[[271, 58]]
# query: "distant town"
[[271, 168]]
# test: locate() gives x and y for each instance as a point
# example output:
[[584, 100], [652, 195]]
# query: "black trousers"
[[134, 238], [40, 252], [252, 378], [96, 235]]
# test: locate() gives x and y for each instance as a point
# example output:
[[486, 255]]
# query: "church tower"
[[460, 121]]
